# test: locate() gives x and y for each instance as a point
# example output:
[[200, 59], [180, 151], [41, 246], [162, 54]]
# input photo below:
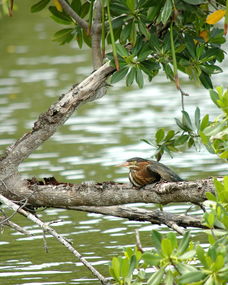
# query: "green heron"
[[145, 171]]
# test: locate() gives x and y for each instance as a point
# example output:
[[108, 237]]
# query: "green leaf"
[[166, 247], [39, 6], [118, 75], [205, 80], [86, 38], [124, 267], [168, 71], [131, 4], [209, 281], [131, 76], [169, 280], [166, 11], [180, 125], [143, 30], [156, 239], [197, 118], [188, 255], [160, 135], [186, 121], [181, 140], [204, 122], [190, 45], [151, 258], [189, 277], [184, 243], [76, 6], [214, 97], [211, 239], [122, 51], [210, 68], [219, 263], [84, 9], [133, 262], [191, 142], [63, 36], [139, 78], [115, 268], [210, 219], [170, 135], [185, 268], [125, 33], [59, 17], [211, 196], [79, 37], [173, 238], [156, 277]]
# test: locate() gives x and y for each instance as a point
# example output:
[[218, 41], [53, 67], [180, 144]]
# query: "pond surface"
[[34, 72]]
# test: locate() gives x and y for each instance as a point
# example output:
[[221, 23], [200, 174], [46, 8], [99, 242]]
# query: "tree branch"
[[156, 217], [96, 36], [104, 194], [91, 88], [69, 11]]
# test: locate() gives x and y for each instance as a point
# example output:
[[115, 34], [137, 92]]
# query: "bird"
[[144, 171]]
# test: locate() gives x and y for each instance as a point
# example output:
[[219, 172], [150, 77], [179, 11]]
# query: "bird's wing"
[[165, 172]]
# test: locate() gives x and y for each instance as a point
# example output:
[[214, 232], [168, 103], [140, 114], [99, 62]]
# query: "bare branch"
[[138, 241], [69, 11], [175, 227], [156, 217], [14, 226], [51, 231]]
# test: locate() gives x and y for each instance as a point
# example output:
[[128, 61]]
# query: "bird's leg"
[[160, 207], [201, 206], [186, 212]]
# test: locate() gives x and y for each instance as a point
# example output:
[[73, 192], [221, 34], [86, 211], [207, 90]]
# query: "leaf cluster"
[[144, 33], [73, 31], [139, 31], [180, 261], [193, 131]]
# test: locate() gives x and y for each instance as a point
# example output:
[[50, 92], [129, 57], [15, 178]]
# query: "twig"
[[69, 11], [51, 231], [182, 97], [175, 227], [15, 227], [138, 242]]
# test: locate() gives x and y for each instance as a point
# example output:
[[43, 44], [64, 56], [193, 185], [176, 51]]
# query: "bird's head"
[[135, 163]]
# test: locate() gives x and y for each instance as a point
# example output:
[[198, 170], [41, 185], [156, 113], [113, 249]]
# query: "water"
[[34, 72]]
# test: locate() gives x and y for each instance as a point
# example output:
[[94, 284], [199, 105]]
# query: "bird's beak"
[[125, 164]]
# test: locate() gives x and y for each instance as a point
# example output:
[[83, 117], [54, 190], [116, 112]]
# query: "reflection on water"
[[96, 138]]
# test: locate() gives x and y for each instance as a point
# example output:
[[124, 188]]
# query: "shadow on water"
[[34, 72]]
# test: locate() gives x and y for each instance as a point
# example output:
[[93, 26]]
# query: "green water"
[[34, 72]]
